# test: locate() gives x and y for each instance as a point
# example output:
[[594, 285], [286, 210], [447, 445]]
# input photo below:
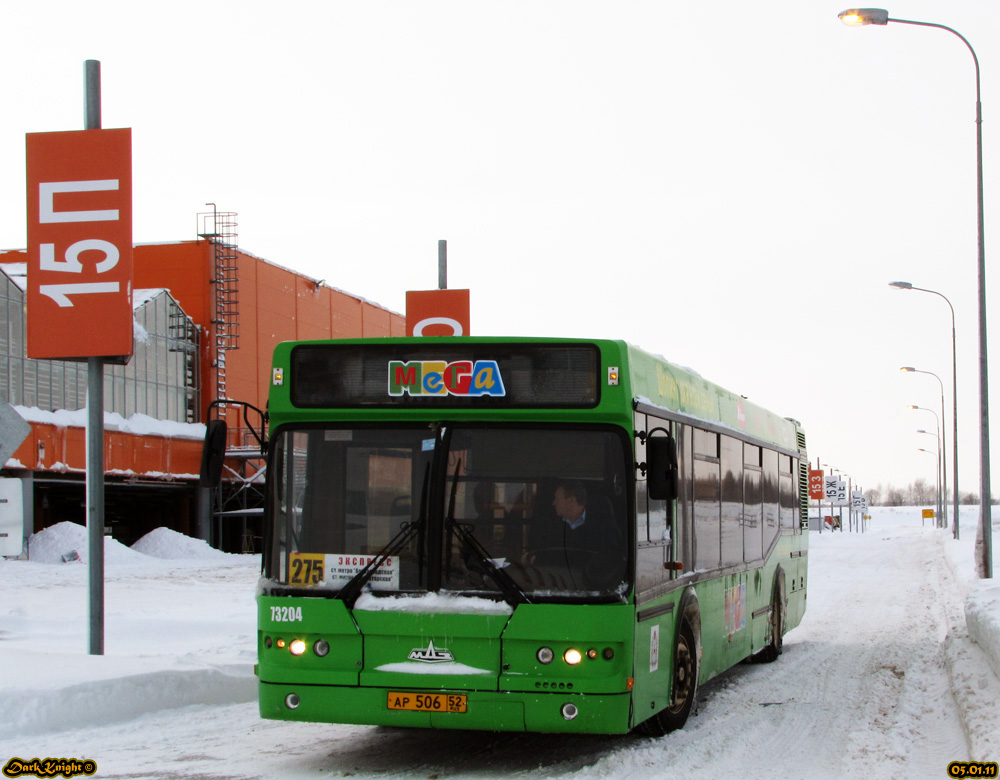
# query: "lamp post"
[[937, 427], [879, 16], [940, 467], [954, 398], [938, 475], [943, 459]]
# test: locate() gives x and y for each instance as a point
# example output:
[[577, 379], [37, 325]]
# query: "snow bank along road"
[[881, 680]]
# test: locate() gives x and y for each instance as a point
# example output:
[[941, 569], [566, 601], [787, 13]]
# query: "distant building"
[[207, 317]]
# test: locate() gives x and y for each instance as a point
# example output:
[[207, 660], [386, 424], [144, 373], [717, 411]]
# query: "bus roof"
[[644, 380]]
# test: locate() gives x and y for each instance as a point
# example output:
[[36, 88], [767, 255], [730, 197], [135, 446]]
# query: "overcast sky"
[[729, 184]]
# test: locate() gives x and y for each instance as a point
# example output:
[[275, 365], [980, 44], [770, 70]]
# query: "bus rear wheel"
[[776, 626], [683, 689]]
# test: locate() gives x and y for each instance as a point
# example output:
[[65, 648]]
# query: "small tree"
[[895, 496], [921, 492]]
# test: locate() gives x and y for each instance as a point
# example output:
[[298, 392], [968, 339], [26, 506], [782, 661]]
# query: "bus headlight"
[[321, 648], [572, 657], [569, 711], [297, 647], [545, 655]]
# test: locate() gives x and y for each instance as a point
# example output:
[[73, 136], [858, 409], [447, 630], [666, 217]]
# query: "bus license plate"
[[427, 702]]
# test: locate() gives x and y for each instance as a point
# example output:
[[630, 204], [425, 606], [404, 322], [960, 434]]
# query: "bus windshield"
[[512, 513]]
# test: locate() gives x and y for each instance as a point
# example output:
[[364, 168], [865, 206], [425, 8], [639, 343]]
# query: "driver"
[[584, 536]]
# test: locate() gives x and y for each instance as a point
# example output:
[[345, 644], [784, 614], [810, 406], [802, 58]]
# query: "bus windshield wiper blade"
[[352, 589], [511, 590], [512, 593]]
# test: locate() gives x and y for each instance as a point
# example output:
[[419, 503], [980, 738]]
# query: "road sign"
[[835, 491], [79, 294], [816, 485], [437, 313]]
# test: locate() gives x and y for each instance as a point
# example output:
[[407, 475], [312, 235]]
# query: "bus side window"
[[683, 519]]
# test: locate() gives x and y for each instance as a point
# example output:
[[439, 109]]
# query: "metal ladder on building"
[[220, 227]]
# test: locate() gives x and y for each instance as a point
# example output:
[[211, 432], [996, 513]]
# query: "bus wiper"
[[352, 589], [512, 593]]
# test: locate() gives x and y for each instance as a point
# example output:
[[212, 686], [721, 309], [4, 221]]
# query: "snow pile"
[[982, 615], [67, 542], [121, 698], [171, 545]]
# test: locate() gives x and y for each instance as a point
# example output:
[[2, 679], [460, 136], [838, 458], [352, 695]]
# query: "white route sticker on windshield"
[[334, 570], [341, 568]]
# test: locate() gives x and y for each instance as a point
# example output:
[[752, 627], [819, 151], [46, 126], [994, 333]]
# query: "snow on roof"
[[139, 424], [18, 274]]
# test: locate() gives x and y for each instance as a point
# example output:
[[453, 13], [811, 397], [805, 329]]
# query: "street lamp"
[[954, 397], [938, 450], [938, 456], [937, 427], [879, 16], [943, 459]]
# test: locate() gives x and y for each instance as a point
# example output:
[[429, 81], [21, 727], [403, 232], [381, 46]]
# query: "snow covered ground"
[[895, 672]]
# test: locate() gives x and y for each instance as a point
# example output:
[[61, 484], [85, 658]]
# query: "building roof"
[[18, 274]]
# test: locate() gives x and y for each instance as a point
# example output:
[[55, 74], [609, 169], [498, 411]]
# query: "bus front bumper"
[[484, 710]]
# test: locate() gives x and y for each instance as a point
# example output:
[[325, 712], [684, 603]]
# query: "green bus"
[[517, 534]]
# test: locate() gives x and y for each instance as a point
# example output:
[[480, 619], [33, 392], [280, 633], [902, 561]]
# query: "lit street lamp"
[[954, 399], [943, 459], [879, 16]]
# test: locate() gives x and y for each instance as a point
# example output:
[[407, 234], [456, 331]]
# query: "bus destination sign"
[[456, 375], [438, 378]]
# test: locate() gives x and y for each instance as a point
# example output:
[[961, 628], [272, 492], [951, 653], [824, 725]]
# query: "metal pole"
[[954, 422], [442, 264], [95, 421], [985, 497], [984, 398], [944, 465]]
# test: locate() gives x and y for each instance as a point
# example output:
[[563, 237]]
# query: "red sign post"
[[816, 488], [437, 313], [80, 245]]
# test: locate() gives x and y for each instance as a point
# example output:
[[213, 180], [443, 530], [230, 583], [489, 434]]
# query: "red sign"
[[816, 485], [80, 244], [437, 313]]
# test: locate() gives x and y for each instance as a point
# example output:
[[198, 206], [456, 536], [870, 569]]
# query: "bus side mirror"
[[661, 463], [213, 454]]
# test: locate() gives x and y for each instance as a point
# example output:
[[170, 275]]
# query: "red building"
[[207, 317]]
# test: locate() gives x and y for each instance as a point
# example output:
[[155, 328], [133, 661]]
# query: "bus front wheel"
[[684, 687]]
